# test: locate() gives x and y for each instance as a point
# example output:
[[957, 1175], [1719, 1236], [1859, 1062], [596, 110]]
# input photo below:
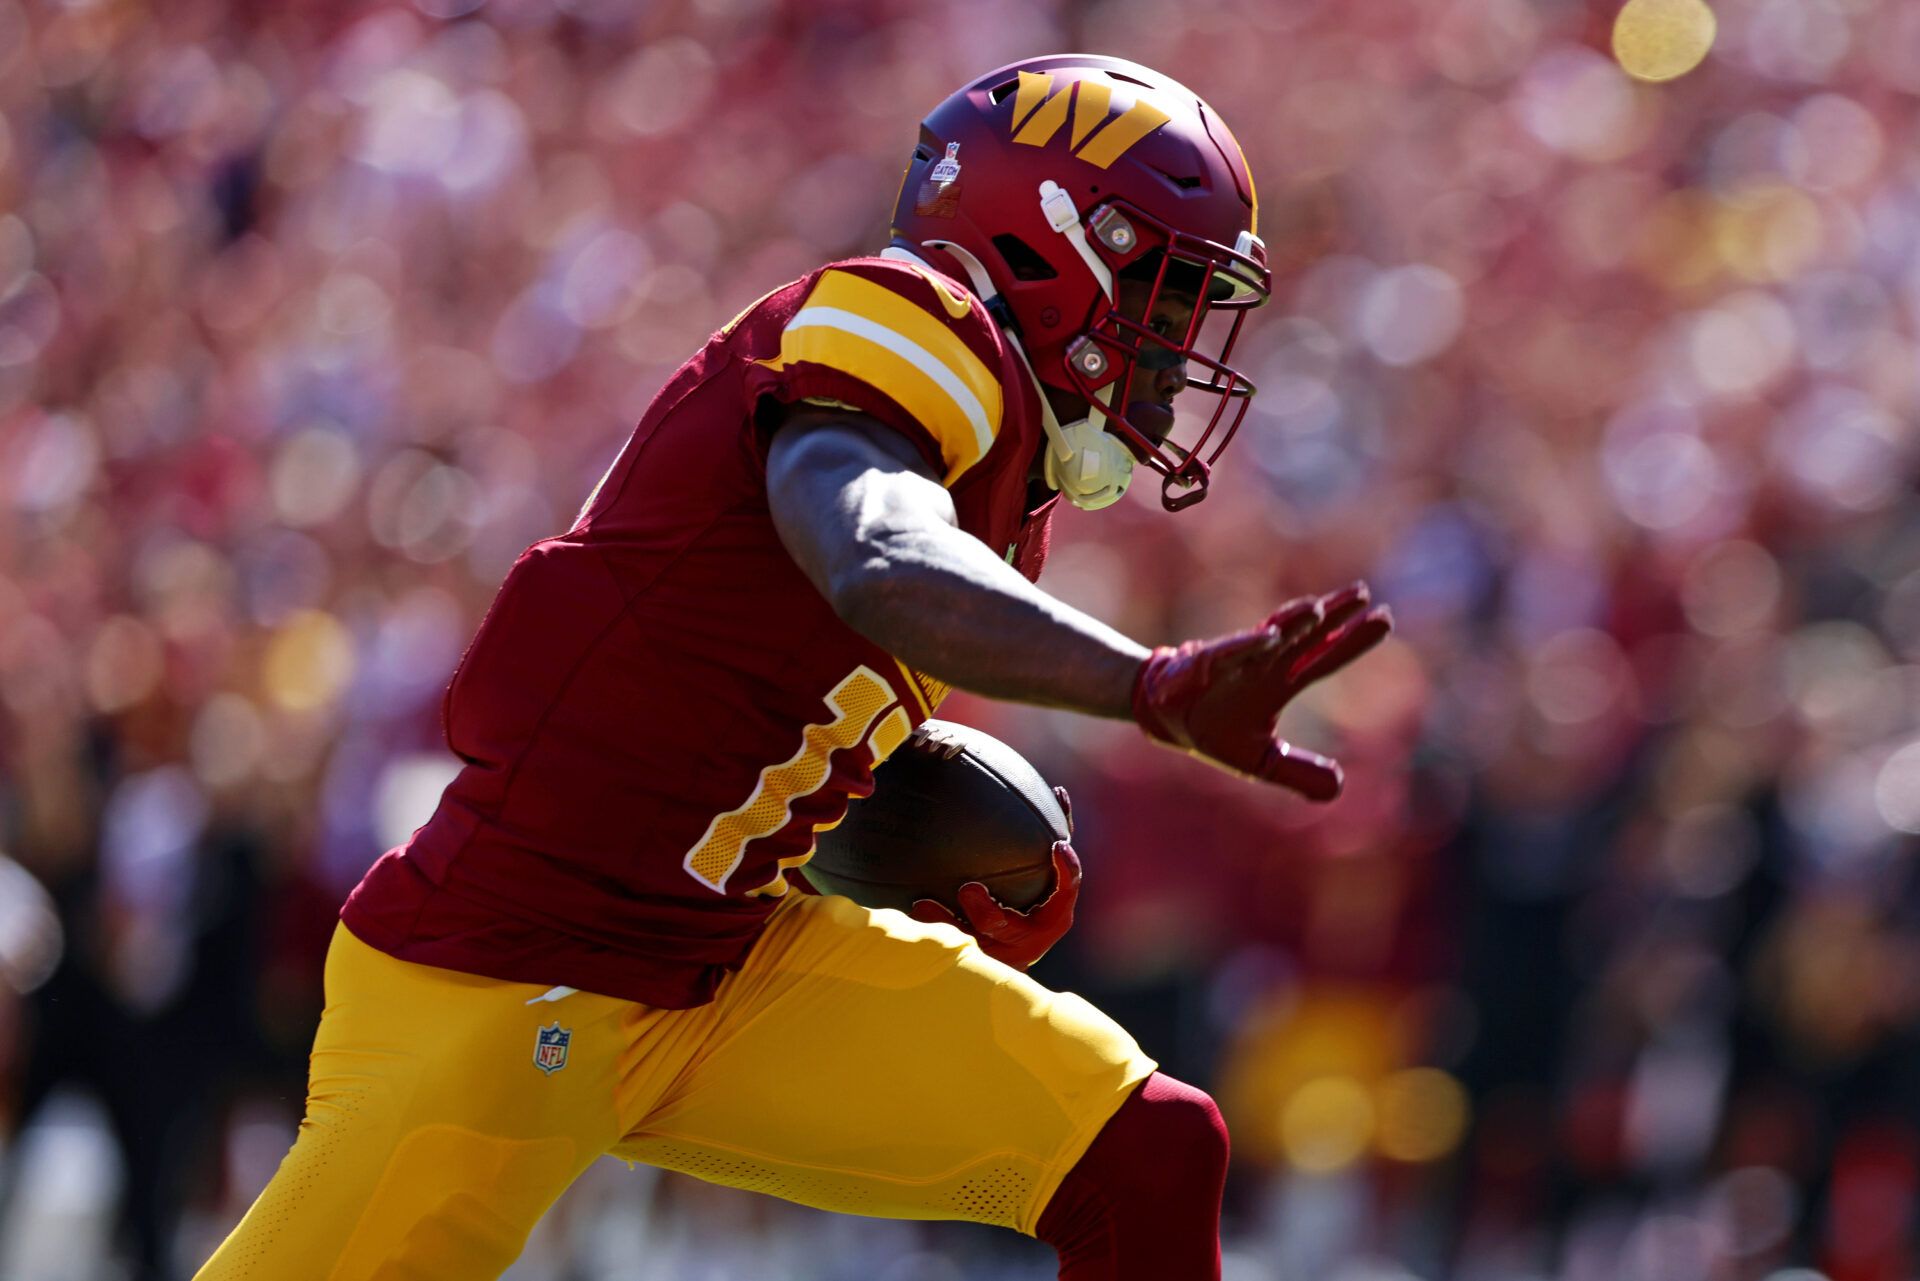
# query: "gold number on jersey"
[[857, 703]]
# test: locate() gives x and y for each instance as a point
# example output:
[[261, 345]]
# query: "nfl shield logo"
[[550, 1048]]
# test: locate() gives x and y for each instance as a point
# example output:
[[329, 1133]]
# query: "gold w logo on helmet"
[[1038, 113]]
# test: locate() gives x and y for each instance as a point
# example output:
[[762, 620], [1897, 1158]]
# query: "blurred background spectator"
[[1606, 967]]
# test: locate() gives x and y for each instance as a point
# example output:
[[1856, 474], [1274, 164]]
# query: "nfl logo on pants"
[[550, 1048]]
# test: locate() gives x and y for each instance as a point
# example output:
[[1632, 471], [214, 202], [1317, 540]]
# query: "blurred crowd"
[[1607, 965]]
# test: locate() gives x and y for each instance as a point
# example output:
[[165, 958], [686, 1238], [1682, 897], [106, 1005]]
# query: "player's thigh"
[[433, 1140], [867, 1063]]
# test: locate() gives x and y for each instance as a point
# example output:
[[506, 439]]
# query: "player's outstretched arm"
[[877, 534]]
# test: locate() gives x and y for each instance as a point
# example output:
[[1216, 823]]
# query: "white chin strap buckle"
[[1087, 464], [1058, 209]]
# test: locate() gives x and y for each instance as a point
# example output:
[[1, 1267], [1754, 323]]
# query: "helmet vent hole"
[[998, 94], [1132, 80], [1024, 260], [923, 153], [1187, 183]]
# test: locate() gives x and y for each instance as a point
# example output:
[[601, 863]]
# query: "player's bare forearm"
[[877, 535], [937, 599]]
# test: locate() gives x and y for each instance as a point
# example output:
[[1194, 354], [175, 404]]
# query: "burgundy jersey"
[[659, 711]]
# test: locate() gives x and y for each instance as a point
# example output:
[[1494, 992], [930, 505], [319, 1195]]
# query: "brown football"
[[951, 805]]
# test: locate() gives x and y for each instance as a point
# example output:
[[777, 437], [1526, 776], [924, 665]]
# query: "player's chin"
[[1152, 419]]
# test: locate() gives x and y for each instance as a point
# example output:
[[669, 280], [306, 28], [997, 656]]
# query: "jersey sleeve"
[[900, 345]]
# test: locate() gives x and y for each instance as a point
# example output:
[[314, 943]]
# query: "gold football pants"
[[860, 1061]]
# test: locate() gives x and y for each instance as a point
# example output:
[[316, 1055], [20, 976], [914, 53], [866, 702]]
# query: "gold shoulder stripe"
[[866, 330]]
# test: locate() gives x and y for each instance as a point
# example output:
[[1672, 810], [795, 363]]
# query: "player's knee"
[[1148, 1186], [1184, 1123], [1168, 1130]]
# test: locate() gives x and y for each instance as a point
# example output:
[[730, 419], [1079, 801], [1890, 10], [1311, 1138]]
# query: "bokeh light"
[[308, 662], [1327, 1124], [1662, 39], [31, 938], [1896, 790], [1423, 1115]]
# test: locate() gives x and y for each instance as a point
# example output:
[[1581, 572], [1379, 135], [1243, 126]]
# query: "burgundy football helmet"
[[1049, 180]]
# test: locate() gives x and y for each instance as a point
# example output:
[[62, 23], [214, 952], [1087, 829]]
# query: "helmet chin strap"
[[1058, 208], [1082, 460]]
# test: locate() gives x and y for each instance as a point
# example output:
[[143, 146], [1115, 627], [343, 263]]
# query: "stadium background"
[[1608, 964]]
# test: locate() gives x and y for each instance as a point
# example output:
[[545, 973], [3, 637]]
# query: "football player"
[[829, 516]]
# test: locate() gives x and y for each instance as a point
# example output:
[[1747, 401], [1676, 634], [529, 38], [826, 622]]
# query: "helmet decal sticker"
[[940, 193], [1038, 114], [948, 170], [1139, 184]]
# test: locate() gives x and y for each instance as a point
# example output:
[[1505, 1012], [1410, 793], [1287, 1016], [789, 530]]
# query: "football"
[[951, 805]]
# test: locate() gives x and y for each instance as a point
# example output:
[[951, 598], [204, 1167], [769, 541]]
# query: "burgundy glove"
[[1221, 699], [1014, 938]]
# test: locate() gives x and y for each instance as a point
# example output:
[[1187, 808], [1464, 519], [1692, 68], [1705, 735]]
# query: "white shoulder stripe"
[[912, 352]]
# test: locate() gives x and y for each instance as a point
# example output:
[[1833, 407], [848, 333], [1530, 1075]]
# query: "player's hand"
[[1014, 938], [1221, 699]]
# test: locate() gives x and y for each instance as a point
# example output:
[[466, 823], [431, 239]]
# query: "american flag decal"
[[550, 1048]]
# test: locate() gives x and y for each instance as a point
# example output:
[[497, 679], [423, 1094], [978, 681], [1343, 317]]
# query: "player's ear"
[[1066, 806]]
